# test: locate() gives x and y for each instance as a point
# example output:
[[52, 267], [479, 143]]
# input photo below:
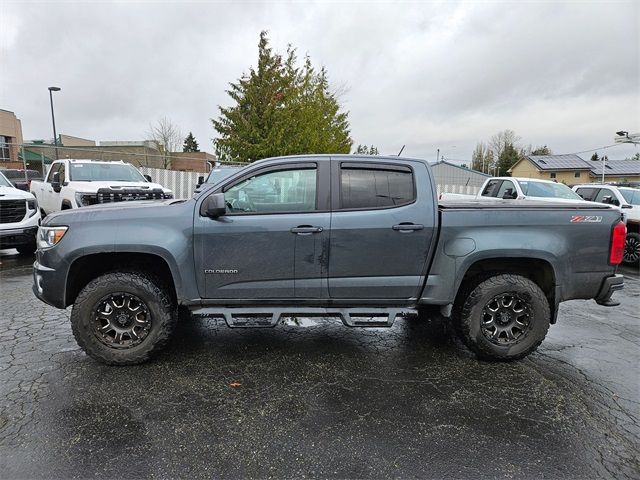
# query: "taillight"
[[618, 237]]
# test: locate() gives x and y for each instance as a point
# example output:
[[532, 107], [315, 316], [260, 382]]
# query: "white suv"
[[19, 218], [627, 199]]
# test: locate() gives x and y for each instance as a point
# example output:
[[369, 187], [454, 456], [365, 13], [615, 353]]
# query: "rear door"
[[271, 244], [382, 226]]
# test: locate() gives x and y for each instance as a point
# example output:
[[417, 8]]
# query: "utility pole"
[[604, 161]]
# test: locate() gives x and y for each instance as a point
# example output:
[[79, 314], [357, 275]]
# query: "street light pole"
[[53, 119]]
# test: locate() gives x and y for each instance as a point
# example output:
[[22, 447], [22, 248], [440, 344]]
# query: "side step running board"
[[266, 317]]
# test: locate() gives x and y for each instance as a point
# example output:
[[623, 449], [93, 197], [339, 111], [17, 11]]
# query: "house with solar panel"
[[572, 169]]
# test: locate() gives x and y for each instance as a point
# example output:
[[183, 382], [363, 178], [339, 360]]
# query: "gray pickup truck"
[[359, 238]]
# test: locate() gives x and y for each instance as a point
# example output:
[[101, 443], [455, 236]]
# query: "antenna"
[[400, 152]]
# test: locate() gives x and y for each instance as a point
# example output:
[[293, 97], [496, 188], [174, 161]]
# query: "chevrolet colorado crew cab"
[[358, 237], [19, 218], [78, 183]]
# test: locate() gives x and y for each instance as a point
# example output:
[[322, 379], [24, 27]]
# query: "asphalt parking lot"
[[319, 400]]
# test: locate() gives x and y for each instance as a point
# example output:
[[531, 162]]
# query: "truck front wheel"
[[123, 318], [505, 317]]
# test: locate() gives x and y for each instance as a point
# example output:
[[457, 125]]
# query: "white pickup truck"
[[517, 188], [626, 199], [18, 218], [78, 183]]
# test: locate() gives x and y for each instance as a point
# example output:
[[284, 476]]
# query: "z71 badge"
[[586, 219]]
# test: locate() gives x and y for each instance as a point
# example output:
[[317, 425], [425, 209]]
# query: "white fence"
[[184, 183], [464, 189], [181, 183]]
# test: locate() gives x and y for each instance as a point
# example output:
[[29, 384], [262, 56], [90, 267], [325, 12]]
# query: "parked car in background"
[[216, 175], [517, 188], [21, 178], [19, 218], [78, 183], [628, 201]]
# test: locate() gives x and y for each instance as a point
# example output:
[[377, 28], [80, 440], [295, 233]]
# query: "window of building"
[[5, 154], [577, 174], [381, 186], [552, 174], [279, 191]]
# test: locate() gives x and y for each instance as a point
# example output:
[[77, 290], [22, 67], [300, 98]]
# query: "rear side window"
[[586, 193], [382, 186], [489, 190]]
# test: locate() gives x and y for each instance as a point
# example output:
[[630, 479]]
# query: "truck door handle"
[[305, 230], [407, 227]]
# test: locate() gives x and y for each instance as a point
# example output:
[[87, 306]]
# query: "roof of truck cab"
[[341, 156]]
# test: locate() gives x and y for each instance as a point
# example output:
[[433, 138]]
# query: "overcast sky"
[[426, 74]]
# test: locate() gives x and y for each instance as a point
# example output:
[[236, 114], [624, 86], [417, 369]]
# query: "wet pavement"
[[319, 400]]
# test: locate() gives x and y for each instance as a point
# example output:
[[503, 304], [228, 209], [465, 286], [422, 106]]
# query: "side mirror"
[[148, 178], [55, 182], [214, 206], [626, 205], [200, 180]]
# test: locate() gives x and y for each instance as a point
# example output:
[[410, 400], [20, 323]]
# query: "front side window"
[[280, 191], [606, 196], [507, 187], [54, 168], [362, 187]]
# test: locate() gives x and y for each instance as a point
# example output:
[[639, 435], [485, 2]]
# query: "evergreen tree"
[[508, 157], [595, 157], [190, 144], [540, 151], [280, 109]]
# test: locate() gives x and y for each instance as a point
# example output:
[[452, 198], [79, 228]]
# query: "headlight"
[[84, 199], [50, 236], [32, 205]]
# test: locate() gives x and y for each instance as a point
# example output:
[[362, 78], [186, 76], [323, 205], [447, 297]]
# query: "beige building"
[[572, 170], [10, 139]]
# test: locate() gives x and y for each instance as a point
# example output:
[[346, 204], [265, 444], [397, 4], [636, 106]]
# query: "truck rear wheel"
[[505, 317], [123, 318]]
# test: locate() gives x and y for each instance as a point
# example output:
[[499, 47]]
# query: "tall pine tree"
[[280, 109], [190, 144]]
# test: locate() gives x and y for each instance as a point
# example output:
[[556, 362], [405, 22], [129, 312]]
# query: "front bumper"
[[609, 286], [49, 285], [18, 236]]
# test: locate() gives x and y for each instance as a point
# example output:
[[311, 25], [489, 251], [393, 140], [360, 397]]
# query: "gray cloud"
[[428, 75]]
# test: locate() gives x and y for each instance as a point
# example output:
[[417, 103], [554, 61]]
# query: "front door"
[[271, 243], [382, 227]]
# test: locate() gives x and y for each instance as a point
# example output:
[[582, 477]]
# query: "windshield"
[[4, 182], [548, 190], [109, 172], [632, 196], [220, 174]]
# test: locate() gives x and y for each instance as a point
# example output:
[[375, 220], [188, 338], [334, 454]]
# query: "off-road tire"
[[27, 248], [150, 290], [467, 316]]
